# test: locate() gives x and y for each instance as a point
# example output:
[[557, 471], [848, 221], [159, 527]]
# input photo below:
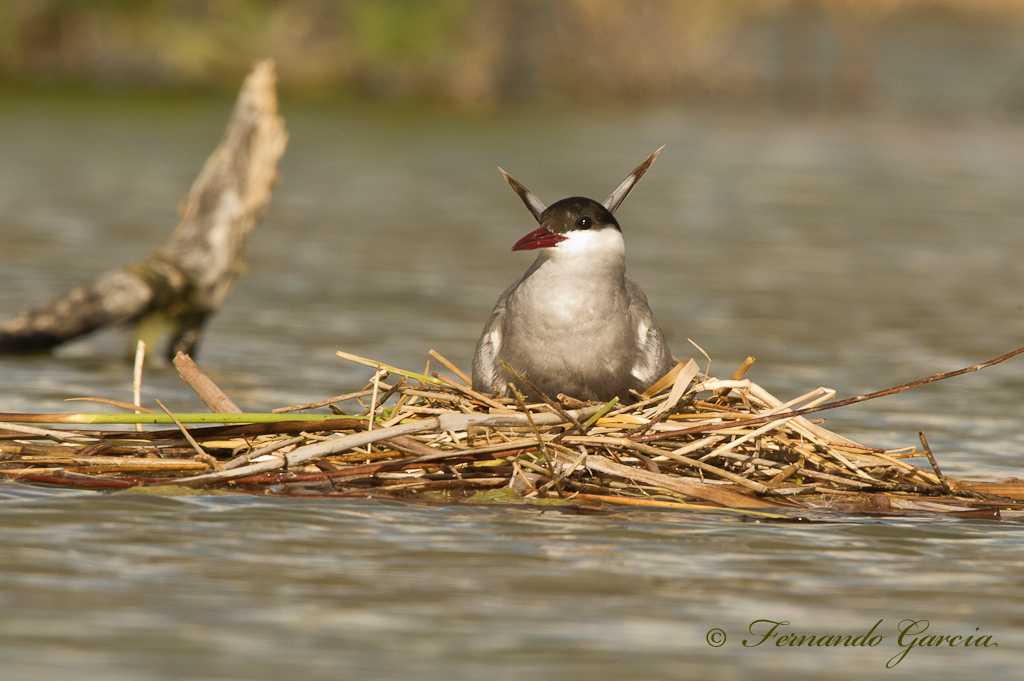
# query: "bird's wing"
[[532, 203], [655, 358], [486, 366], [623, 190]]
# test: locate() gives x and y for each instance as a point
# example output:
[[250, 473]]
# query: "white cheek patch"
[[607, 241]]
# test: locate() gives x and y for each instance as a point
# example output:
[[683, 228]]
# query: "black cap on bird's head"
[[560, 218], [575, 213]]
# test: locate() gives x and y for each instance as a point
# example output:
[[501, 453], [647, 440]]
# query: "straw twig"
[[188, 436], [933, 462], [850, 400], [724, 443], [140, 359], [211, 395], [451, 367]]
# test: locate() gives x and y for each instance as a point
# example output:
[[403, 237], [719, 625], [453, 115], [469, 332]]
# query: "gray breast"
[[590, 354]]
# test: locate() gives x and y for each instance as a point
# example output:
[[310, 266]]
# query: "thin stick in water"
[[188, 436], [321, 403], [114, 403], [373, 405], [933, 462], [140, 358], [208, 391]]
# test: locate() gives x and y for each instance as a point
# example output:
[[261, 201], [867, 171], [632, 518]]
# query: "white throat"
[[593, 249], [583, 275]]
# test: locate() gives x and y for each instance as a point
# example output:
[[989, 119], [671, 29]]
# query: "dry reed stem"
[[451, 367], [750, 449], [140, 359], [48, 433], [321, 403], [138, 409], [933, 462], [685, 486], [472, 393], [188, 436], [208, 391], [684, 376], [870, 396]]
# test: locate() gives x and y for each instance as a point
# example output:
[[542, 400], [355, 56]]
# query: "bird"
[[573, 324]]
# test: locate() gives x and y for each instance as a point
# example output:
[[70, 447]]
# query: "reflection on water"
[[848, 253]]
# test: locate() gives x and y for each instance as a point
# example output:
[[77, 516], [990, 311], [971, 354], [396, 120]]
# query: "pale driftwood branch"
[[338, 445], [178, 287], [116, 297]]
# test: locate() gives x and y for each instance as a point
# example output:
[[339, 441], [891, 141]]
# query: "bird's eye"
[[584, 222]]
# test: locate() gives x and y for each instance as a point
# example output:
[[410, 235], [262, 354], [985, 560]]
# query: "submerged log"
[[174, 290]]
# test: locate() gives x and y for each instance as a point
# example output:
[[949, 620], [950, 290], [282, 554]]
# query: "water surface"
[[847, 252]]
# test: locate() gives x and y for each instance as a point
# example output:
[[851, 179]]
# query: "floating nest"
[[689, 442]]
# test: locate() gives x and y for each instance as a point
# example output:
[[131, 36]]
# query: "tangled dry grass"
[[689, 442]]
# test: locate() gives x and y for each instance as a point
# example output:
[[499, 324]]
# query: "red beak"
[[538, 238]]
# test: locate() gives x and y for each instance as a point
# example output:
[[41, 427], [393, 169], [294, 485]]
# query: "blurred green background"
[[929, 56]]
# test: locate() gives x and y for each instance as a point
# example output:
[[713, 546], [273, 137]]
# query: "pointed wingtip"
[[623, 190], [532, 203], [650, 159], [639, 171]]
